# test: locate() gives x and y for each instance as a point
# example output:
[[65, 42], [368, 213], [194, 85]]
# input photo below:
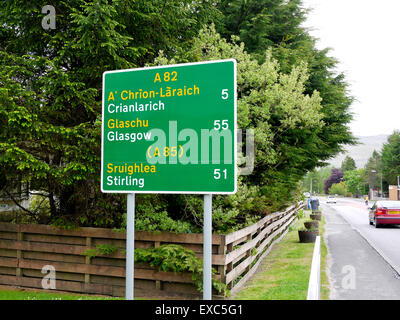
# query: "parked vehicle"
[[384, 212], [331, 199]]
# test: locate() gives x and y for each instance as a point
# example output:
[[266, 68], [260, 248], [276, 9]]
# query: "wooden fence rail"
[[26, 249]]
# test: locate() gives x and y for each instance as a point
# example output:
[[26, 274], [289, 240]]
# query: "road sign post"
[[130, 247], [207, 248], [170, 129]]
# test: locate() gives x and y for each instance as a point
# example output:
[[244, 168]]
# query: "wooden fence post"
[[248, 253], [222, 268], [158, 282], [20, 238], [229, 266], [87, 258]]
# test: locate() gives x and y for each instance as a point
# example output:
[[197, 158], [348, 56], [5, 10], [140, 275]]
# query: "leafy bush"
[[335, 177], [338, 188], [160, 221], [168, 257], [100, 249], [40, 205], [172, 257]]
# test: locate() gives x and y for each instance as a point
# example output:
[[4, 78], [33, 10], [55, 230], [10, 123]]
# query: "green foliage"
[[39, 204], [354, 180], [274, 104], [99, 250], [175, 258], [38, 210], [300, 214], [151, 215], [261, 24], [230, 213], [373, 170], [348, 164], [50, 105], [50, 91], [391, 158], [338, 188], [318, 177], [50, 101], [64, 222], [160, 221], [91, 253], [277, 25], [105, 249], [383, 167]]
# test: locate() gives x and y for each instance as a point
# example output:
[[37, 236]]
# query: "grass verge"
[[284, 273], [325, 285], [22, 294]]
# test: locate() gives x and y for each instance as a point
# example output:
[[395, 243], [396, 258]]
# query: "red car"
[[384, 212]]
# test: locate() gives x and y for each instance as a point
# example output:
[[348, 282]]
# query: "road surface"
[[363, 262]]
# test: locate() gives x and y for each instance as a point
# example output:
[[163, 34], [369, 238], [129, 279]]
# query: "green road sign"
[[170, 129]]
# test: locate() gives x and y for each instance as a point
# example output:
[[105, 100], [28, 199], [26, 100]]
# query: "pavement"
[[363, 262]]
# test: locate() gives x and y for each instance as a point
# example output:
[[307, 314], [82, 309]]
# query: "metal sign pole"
[[130, 247], [207, 248]]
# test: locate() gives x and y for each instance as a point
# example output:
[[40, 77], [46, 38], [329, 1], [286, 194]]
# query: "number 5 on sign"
[[224, 94]]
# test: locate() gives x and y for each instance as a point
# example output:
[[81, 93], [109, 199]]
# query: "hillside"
[[361, 152]]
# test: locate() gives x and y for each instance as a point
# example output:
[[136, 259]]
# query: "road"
[[363, 262]]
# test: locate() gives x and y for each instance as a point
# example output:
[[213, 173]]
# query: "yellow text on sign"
[[167, 76]]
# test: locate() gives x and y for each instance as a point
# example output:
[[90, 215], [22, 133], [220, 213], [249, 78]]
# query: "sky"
[[365, 37]]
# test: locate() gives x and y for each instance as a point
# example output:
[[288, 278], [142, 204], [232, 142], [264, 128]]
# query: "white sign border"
[[234, 133]]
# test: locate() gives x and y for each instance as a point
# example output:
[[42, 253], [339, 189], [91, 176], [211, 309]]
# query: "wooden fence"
[[26, 249]]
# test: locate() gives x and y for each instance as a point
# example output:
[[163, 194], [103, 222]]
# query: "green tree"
[[354, 180], [391, 158], [262, 24], [348, 164], [276, 25], [264, 103], [318, 176], [373, 170], [50, 121], [338, 188], [50, 85]]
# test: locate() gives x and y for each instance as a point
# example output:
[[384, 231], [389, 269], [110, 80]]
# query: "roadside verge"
[[284, 273]]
